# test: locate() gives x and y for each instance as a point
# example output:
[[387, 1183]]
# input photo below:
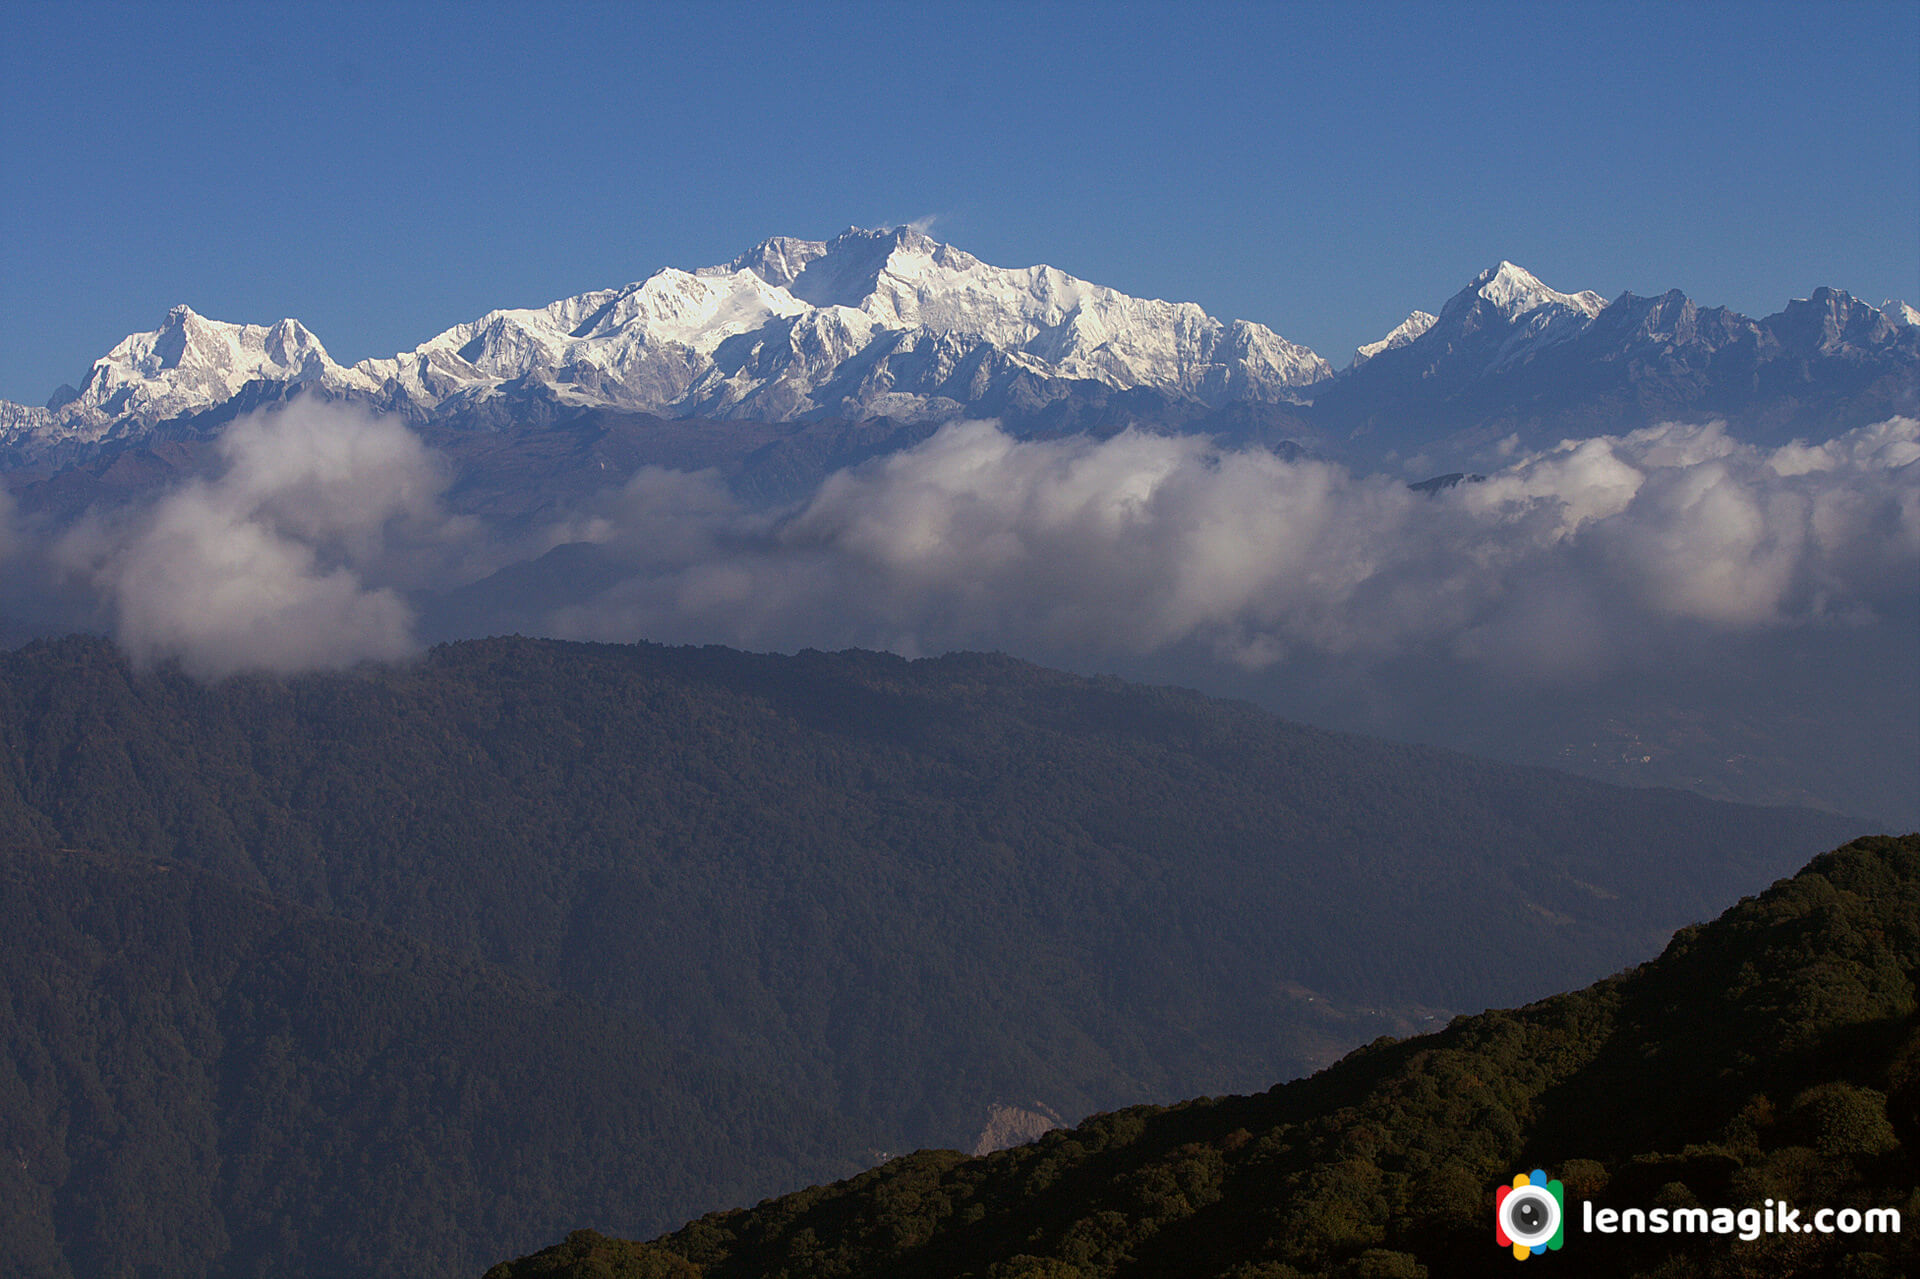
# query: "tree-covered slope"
[[1774, 1053], [199, 1079], [906, 889]]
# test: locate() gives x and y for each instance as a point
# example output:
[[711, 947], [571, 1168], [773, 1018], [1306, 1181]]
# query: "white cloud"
[[289, 559], [1563, 562], [1138, 543]]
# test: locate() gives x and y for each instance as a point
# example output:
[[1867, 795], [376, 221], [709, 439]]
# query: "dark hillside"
[[909, 889], [199, 1079], [1772, 1054]]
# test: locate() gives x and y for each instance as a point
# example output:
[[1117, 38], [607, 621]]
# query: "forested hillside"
[[201, 1079], [901, 892], [1774, 1053]]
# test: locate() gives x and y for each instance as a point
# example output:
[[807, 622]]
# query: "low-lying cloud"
[[1141, 542], [303, 551], [288, 560]]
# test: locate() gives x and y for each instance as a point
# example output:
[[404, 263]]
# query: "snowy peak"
[[771, 332], [889, 273], [1506, 315], [840, 271], [891, 322], [849, 267], [191, 362], [190, 342], [778, 261], [1833, 320], [1414, 326], [1513, 291]]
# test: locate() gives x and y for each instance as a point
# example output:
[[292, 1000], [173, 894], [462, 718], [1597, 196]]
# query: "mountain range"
[[869, 324], [892, 325]]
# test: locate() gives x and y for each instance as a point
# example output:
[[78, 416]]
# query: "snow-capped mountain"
[[191, 363], [895, 329], [1510, 304], [1515, 291], [1504, 317], [23, 421], [1407, 330], [870, 323]]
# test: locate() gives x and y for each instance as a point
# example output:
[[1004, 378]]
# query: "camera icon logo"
[[1530, 1215]]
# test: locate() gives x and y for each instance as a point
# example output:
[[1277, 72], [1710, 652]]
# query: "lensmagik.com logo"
[[1529, 1216]]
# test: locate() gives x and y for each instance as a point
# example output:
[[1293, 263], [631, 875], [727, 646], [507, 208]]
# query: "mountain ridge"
[[979, 789], [778, 333], [893, 324]]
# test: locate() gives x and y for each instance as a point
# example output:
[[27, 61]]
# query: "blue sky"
[[382, 172]]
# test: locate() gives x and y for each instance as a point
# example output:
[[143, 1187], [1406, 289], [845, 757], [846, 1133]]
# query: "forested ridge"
[[832, 904], [1774, 1053]]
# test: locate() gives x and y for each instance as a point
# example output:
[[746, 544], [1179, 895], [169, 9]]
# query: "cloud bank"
[[288, 560], [305, 549], [1140, 542]]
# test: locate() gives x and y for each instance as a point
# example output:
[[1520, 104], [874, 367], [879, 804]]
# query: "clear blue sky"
[[383, 171]]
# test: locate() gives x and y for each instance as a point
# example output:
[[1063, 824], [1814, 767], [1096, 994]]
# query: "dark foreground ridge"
[[1774, 1053]]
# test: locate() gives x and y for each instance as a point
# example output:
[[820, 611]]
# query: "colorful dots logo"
[[1529, 1216]]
